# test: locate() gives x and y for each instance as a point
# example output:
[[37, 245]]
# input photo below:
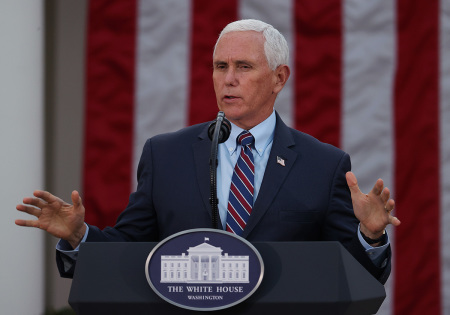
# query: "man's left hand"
[[373, 210]]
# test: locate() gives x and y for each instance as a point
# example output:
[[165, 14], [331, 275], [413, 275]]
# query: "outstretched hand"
[[373, 210], [55, 216]]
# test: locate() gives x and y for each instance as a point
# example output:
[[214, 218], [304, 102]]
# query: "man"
[[296, 188]]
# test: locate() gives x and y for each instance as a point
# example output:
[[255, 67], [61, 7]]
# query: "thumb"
[[76, 199], [352, 183]]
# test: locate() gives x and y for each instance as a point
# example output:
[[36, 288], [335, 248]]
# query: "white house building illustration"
[[204, 264]]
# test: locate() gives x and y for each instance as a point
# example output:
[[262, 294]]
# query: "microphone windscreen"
[[224, 131]]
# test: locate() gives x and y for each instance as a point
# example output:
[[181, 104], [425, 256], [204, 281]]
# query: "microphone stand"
[[218, 131]]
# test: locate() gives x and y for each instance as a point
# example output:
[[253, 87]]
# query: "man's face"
[[243, 81]]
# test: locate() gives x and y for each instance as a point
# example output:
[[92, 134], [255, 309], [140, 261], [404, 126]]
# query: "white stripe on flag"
[[280, 15], [368, 73], [445, 151], [367, 89], [162, 69]]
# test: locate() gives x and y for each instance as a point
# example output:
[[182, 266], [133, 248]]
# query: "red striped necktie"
[[240, 201]]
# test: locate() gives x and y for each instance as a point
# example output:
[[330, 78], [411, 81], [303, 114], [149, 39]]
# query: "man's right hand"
[[55, 216]]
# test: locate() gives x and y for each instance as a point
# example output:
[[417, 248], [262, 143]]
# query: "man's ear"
[[282, 73]]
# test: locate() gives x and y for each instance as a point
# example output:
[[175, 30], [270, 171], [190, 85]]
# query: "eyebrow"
[[215, 63], [219, 62]]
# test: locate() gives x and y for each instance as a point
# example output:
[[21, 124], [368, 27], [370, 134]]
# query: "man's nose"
[[230, 77]]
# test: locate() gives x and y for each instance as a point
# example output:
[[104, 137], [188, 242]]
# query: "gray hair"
[[275, 46]]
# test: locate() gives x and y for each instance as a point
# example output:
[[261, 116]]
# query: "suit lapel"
[[202, 152], [274, 174]]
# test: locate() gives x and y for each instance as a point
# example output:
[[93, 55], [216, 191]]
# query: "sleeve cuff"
[[64, 246], [376, 254]]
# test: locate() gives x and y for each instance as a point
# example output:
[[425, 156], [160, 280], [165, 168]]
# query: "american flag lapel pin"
[[280, 161]]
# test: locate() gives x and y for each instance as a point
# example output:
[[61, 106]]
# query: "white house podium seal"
[[204, 269]]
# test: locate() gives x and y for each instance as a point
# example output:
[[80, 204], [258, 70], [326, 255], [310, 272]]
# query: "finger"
[[394, 221], [385, 194], [37, 202], [352, 183], [76, 199], [390, 205], [28, 223], [46, 196], [30, 210], [378, 187]]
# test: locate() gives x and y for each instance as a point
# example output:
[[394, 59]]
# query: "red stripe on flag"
[[318, 45], [109, 109], [417, 240], [208, 20]]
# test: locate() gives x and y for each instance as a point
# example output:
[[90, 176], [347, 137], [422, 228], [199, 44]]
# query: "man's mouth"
[[230, 97]]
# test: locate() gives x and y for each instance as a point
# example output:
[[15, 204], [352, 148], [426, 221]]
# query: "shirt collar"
[[263, 134]]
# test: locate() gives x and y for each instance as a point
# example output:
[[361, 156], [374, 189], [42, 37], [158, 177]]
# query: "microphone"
[[218, 131], [224, 128]]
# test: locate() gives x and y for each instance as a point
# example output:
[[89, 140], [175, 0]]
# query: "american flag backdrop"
[[369, 76]]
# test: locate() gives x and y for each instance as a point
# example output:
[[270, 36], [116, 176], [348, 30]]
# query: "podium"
[[299, 278]]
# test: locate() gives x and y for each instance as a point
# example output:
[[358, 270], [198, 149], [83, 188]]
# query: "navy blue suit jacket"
[[306, 200]]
